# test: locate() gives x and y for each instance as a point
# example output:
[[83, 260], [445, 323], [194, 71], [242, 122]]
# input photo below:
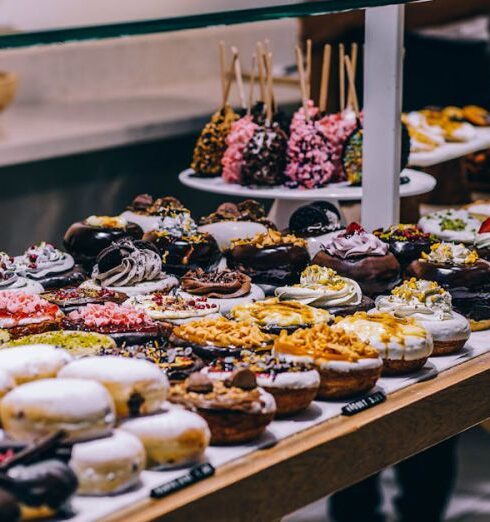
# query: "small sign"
[[363, 404], [196, 474]]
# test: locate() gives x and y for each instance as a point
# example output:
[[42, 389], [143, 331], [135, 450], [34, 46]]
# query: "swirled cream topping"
[[355, 242], [43, 259], [136, 266], [450, 253], [322, 287], [178, 224], [106, 222], [419, 299], [482, 240]]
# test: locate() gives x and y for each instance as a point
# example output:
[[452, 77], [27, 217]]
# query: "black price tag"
[[363, 404], [196, 474]]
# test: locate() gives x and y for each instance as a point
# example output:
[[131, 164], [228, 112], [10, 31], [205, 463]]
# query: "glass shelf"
[[149, 17]]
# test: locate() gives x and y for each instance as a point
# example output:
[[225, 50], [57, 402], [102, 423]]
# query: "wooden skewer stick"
[[270, 95], [353, 59], [260, 64], [230, 76], [308, 68], [302, 83], [342, 76], [327, 57], [239, 79], [222, 66], [350, 76], [252, 85]]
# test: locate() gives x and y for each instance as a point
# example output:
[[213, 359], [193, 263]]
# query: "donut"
[[7, 383]]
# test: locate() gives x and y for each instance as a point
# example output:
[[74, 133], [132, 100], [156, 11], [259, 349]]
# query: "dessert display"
[[108, 466], [173, 308], [33, 362], [423, 137], [358, 255], [181, 245], [11, 280], [406, 242], [482, 240], [48, 266], [479, 209], [273, 315], [85, 239], [248, 210], [271, 258], [402, 343], [476, 115], [315, 222], [447, 120], [82, 409], [211, 338], [7, 383], [236, 409], [131, 267], [347, 365], [451, 225], [173, 438], [324, 288], [147, 212], [177, 362], [226, 231], [225, 288], [292, 384], [69, 299], [431, 306], [136, 386], [24, 314], [75, 343], [123, 323]]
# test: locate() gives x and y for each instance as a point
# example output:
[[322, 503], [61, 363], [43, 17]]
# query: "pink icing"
[[96, 315], [308, 154], [358, 244], [299, 115], [240, 134], [29, 304]]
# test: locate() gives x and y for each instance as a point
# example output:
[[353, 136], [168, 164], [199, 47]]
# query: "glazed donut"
[[82, 409], [108, 466], [174, 438], [33, 362], [137, 386]]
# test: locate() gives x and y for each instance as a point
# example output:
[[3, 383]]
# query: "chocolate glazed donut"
[[375, 274], [276, 265], [408, 251]]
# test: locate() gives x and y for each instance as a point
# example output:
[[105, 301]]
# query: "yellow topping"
[[414, 289], [320, 275], [270, 238]]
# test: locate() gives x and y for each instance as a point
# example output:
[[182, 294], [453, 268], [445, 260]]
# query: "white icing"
[[482, 240], [146, 222], [314, 243], [268, 401], [431, 224], [146, 287], [24, 285], [47, 260], [102, 221], [7, 382], [464, 132], [178, 225], [340, 366], [34, 361], [226, 231], [482, 208], [456, 254], [161, 313]]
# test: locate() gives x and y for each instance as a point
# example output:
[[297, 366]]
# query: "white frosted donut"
[[7, 383], [145, 221], [108, 466], [33, 361], [82, 409], [174, 438], [137, 386], [146, 287]]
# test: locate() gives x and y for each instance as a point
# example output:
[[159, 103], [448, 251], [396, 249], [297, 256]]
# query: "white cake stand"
[[286, 200]]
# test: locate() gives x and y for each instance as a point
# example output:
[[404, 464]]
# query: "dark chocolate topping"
[[242, 378], [315, 219], [141, 202]]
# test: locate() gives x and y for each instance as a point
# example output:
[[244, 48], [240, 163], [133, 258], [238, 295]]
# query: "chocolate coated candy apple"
[[85, 239], [361, 256]]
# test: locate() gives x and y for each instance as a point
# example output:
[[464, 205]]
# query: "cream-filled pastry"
[[451, 225], [11, 280], [430, 305], [403, 343]]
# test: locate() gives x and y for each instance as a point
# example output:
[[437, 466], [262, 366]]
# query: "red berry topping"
[[353, 228], [485, 226]]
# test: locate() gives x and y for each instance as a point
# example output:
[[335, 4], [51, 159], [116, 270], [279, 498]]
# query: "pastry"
[[482, 240], [315, 222], [173, 308], [176, 362], [403, 343], [451, 225], [211, 338], [211, 144], [406, 242], [69, 299], [270, 259], [324, 288], [7, 383], [147, 212], [85, 239], [123, 323], [273, 315], [76, 343], [347, 366], [172, 438], [225, 288], [131, 267], [430, 305], [361, 256], [292, 384], [476, 115], [108, 466], [23, 314], [248, 210], [423, 137], [52, 268], [11, 280], [236, 410], [81, 409], [182, 246], [453, 131], [137, 386], [33, 362], [479, 209]]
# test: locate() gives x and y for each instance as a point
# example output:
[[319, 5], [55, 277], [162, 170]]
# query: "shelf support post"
[[383, 83]]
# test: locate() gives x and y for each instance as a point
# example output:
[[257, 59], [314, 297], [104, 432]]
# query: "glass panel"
[[29, 22]]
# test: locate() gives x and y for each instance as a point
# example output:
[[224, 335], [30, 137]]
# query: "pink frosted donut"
[[299, 115], [240, 134]]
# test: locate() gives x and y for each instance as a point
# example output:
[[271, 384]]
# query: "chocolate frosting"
[[224, 284], [317, 218]]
